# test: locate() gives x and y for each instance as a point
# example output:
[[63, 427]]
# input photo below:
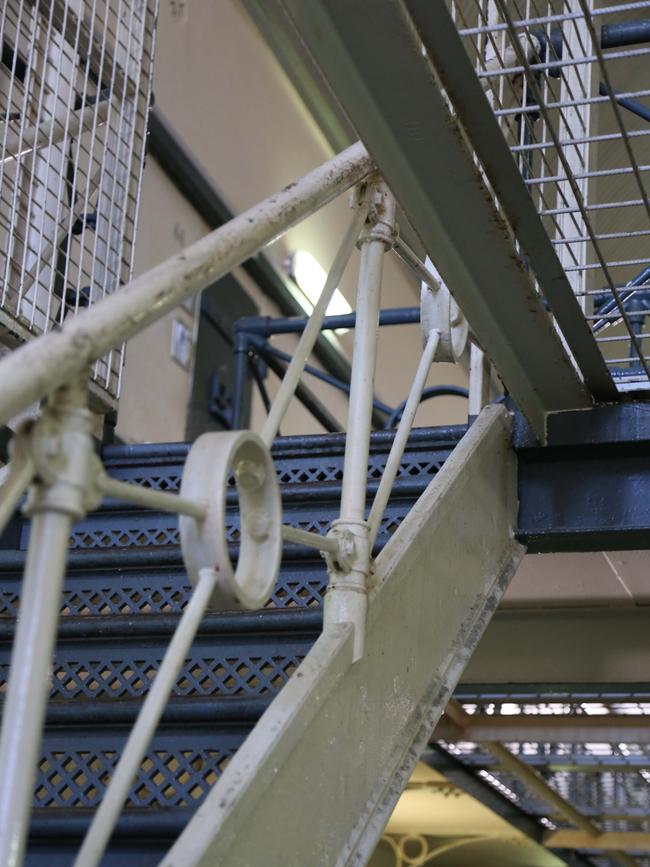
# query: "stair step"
[[120, 526], [236, 665], [116, 658], [135, 823], [148, 582], [93, 716], [141, 838], [181, 764]]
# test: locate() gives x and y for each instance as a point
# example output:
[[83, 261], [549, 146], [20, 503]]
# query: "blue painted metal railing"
[[252, 344]]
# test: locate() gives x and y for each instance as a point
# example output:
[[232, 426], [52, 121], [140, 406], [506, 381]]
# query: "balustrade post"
[[62, 447], [346, 600]]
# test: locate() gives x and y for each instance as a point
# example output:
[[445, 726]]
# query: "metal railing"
[[53, 458], [252, 344], [561, 80]]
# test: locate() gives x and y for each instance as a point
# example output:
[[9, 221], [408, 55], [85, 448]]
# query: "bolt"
[[250, 474], [257, 524]]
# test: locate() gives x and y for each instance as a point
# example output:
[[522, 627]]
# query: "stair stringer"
[[317, 779]]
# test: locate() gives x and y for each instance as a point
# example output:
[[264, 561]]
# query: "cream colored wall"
[[155, 389], [226, 96]]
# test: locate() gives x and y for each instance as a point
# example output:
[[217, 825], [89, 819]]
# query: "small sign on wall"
[[180, 10], [181, 348]]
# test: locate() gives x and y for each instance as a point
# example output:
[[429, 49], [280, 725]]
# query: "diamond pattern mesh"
[[166, 778], [236, 674]]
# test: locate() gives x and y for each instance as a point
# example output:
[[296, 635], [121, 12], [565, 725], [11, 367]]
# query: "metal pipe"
[[24, 708], [346, 600], [311, 540], [624, 33], [108, 811], [401, 437], [36, 368], [266, 326], [63, 456], [355, 467], [431, 391], [633, 105], [149, 498], [306, 397], [261, 387], [379, 405], [241, 368], [310, 334], [14, 487], [414, 262]]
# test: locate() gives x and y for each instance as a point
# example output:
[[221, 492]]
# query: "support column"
[[346, 600], [62, 444]]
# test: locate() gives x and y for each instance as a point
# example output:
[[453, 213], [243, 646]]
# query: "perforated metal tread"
[[236, 655], [116, 551], [309, 471], [218, 699], [140, 590], [181, 764]]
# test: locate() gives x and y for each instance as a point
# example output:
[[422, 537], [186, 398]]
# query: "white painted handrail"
[[38, 367]]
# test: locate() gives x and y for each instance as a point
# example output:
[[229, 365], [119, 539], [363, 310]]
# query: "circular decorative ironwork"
[[212, 461]]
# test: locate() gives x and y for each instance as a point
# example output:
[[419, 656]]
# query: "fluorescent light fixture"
[[309, 275]]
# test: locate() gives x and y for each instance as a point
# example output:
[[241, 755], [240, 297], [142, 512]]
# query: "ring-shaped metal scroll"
[[211, 462], [439, 311]]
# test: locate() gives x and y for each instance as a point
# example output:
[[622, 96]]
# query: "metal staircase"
[[273, 722], [125, 588]]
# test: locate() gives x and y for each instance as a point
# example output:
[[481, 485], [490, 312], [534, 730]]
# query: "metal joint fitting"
[[250, 474], [346, 599], [381, 225], [64, 460]]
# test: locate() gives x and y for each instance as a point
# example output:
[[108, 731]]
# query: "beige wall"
[[226, 96]]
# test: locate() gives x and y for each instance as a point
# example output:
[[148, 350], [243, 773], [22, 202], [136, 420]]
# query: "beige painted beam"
[[565, 728], [609, 841]]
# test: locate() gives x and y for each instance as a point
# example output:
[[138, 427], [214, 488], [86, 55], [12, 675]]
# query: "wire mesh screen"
[[74, 95], [567, 81]]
